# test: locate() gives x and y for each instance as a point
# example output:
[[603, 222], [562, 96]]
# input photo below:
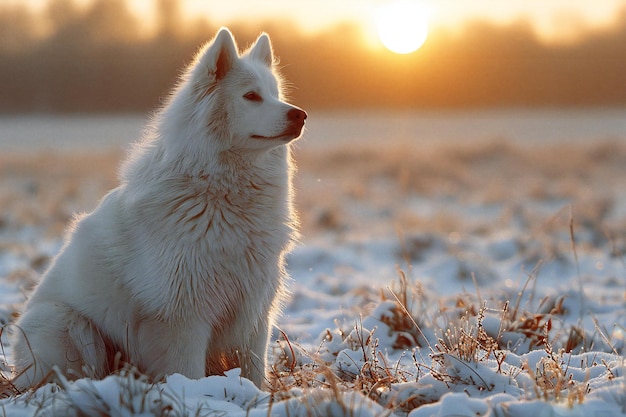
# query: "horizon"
[[94, 51]]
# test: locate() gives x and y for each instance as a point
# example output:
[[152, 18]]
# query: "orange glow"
[[334, 66], [402, 26], [554, 21]]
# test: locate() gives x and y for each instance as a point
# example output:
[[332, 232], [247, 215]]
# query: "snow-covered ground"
[[456, 279]]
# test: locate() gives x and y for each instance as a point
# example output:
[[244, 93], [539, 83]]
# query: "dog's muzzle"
[[296, 119]]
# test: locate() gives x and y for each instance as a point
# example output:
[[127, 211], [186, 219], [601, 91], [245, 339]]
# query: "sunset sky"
[[553, 19], [477, 53]]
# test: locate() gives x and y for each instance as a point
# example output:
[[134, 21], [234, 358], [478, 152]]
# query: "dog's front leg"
[[254, 359], [53, 334], [167, 349]]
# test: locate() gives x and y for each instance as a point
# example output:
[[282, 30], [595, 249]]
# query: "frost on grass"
[[463, 369], [510, 300], [467, 359]]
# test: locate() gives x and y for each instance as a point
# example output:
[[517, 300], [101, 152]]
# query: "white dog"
[[180, 269]]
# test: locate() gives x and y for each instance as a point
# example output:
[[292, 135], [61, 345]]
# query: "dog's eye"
[[252, 96]]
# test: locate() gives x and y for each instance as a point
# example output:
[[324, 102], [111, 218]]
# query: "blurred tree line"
[[92, 59], [96, 59]]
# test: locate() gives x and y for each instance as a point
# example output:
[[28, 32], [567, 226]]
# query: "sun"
[[402, 25]]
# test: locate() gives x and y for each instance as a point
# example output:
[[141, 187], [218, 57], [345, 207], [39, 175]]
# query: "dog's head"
[[239, 96]]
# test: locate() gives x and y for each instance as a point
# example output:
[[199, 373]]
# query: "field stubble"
[[560, 199]]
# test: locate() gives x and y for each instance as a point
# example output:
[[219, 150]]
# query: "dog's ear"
[[220, 56], [262, 50]]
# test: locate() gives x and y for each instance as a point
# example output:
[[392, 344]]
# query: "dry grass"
[[45, 191], [553, 382], [466, 342], [320, 385], [484, 173]]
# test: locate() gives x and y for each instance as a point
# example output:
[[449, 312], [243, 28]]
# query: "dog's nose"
[[296, 115]]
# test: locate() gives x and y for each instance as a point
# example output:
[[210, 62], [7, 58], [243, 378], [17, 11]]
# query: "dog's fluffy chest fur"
[[221, 227]]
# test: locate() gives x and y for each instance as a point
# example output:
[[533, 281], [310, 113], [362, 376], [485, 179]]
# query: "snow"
[[488, 280]]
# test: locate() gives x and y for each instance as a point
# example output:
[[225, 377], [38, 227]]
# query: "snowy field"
[[484, 277]]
